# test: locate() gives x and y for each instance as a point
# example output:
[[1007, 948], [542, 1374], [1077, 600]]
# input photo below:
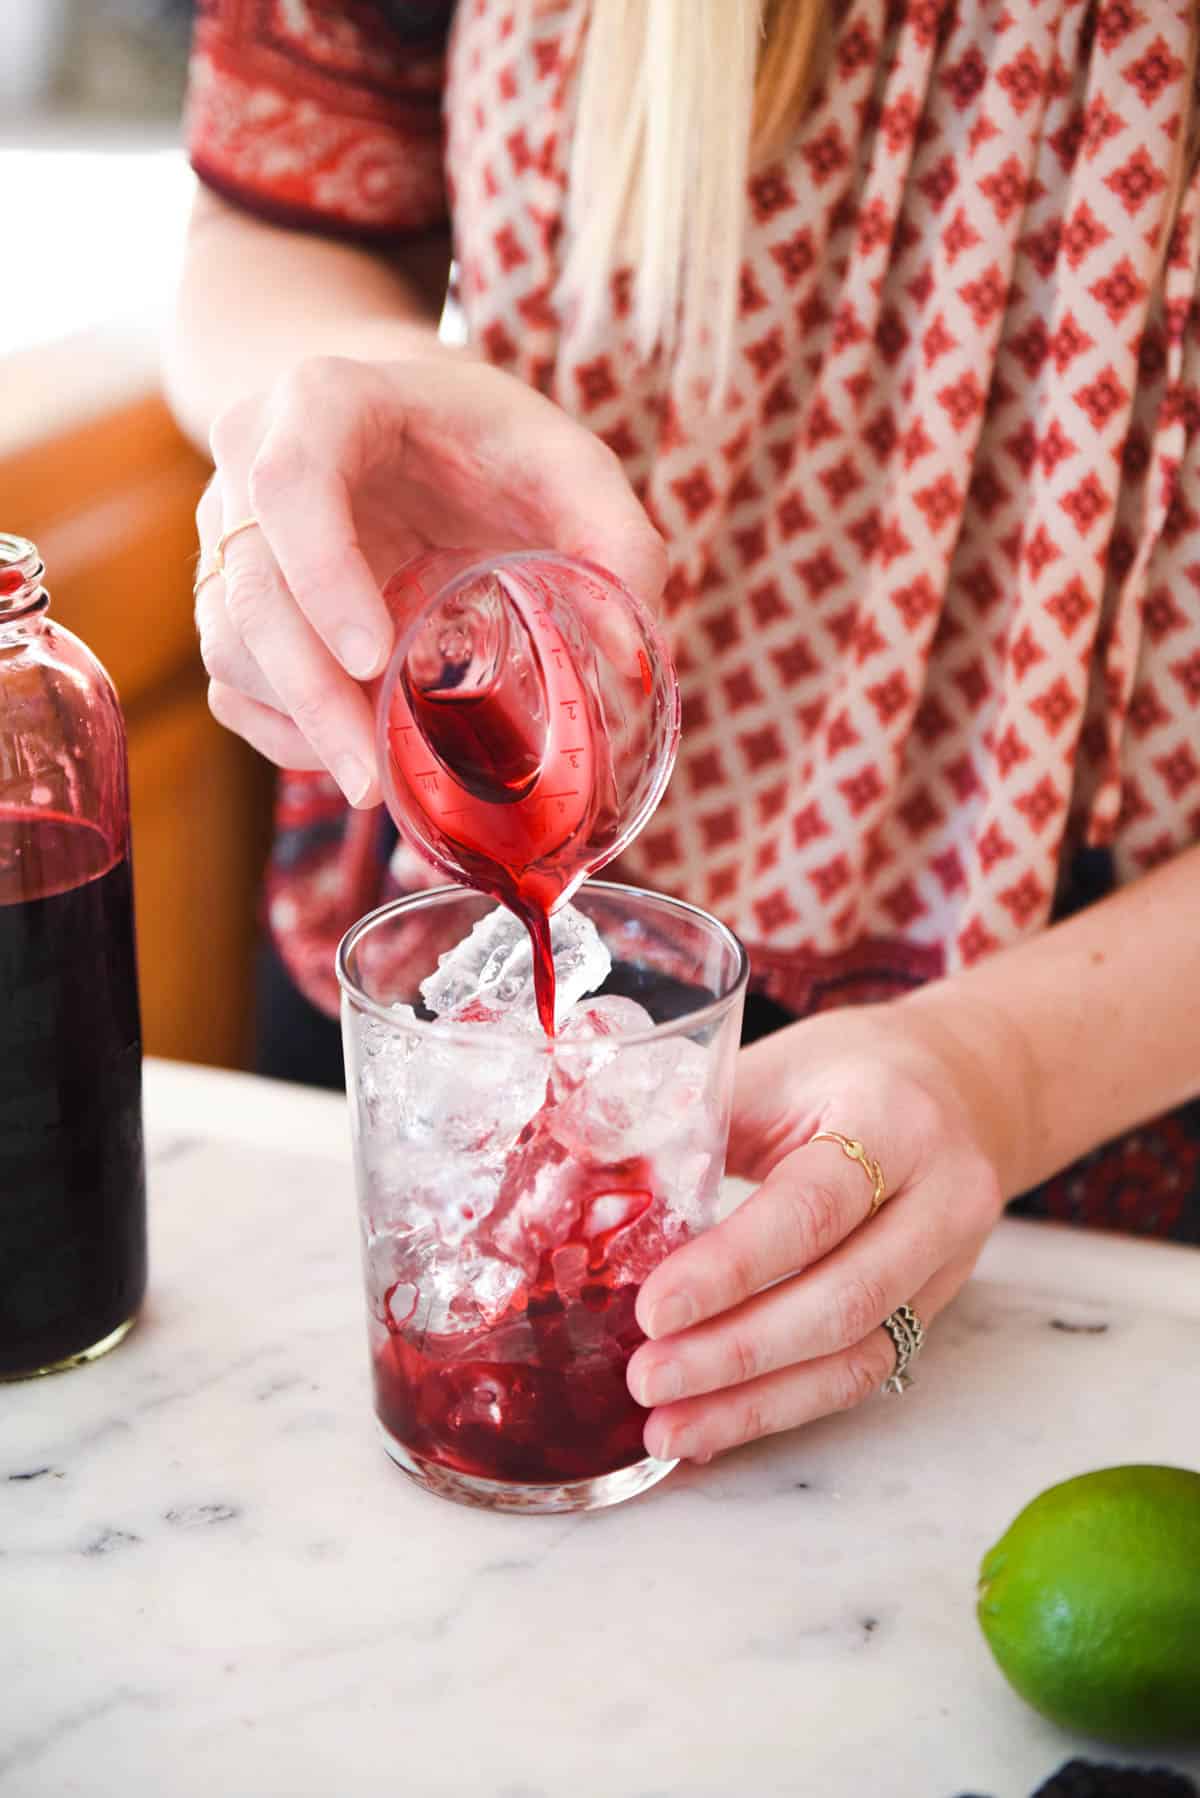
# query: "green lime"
[[1090, 1603]]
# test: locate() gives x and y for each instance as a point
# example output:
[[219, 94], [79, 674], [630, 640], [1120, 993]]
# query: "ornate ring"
[[908, 1335], [854, 1150], [223, 542]]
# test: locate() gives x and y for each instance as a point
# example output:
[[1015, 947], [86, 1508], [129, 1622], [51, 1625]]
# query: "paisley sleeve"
[[322, 115]]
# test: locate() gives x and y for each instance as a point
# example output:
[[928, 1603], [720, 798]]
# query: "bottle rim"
[[21, 571]]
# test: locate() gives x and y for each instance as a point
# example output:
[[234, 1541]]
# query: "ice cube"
[[456, 1193], [588, 1039], [538, 1202], [632, 1101], [492, 1285], [609, 1015], [400, 1301], [463, 1099], [398, 1264], [633, 1254], [445, 1194], [570, 1268], [418, 1087], [383, 1057], [432, 1204], [606, 1214], [493, 966], [420, 1284], [687, 1177], [516, 1401]]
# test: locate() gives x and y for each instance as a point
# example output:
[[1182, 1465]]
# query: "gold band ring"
[[223, 542], [854, 1151]]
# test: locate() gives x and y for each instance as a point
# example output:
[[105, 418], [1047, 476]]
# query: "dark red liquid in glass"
[[72, 1181], [539, 1397]]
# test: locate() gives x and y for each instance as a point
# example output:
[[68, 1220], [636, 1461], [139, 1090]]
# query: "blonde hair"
[[652, 188], [641, 194]]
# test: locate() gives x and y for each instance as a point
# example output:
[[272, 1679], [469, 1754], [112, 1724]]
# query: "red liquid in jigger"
[[520, 799], [72, 1205], [540, 1396]]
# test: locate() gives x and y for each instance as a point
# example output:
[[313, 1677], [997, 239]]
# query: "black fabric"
[[418, 21], [762, 1017], [294, 1041]]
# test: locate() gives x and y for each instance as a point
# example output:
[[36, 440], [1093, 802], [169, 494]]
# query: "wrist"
[[987, 1060]]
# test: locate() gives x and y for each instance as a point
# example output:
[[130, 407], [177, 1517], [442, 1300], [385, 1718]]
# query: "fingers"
[[301, 500], [699, 1428], [225, 657], [513, 461], [328, 709], [812, 1200], [590, 510], [837, 1302], [430, 450], [291, 588], [264, 728], [832, 1306], [209, 513], [231, 668]]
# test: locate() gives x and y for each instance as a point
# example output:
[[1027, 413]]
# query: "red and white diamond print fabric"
[[935, 559]]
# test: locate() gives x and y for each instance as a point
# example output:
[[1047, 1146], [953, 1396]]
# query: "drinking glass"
[[516, 1189]]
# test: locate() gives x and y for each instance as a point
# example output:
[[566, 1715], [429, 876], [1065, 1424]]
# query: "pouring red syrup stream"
[[508, 777], [483, 740]]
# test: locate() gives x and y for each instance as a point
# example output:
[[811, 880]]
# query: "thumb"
[[521, 460]]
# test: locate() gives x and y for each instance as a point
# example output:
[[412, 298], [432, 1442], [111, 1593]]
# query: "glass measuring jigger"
[[528, 720]]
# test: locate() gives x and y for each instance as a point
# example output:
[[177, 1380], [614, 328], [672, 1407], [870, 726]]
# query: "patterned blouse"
[[934, 584]]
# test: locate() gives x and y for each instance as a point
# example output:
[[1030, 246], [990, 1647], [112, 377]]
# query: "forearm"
[[1084, 1031], [254, 300]]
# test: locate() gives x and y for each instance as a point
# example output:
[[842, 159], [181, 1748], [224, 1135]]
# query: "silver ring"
[[908, 1336]]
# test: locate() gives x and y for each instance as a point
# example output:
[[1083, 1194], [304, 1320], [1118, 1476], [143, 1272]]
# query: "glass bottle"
[[72, 1169]]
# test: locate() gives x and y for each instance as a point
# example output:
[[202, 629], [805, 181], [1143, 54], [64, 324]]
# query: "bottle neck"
[[22, 595]]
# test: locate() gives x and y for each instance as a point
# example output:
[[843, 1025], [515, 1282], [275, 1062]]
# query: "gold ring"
[[223, 542], [854, 1150]]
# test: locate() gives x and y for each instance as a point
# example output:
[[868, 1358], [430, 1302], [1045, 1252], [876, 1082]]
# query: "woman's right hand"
[[349, 468]]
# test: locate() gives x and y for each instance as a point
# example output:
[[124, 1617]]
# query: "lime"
[[1090, 1603]]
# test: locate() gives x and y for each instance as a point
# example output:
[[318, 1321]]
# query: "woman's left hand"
[[773, 1318]]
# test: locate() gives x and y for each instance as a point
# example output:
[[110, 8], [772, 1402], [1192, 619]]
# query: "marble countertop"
[[213, 1581]]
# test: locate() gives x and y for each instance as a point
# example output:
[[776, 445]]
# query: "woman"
[[869, 348]]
